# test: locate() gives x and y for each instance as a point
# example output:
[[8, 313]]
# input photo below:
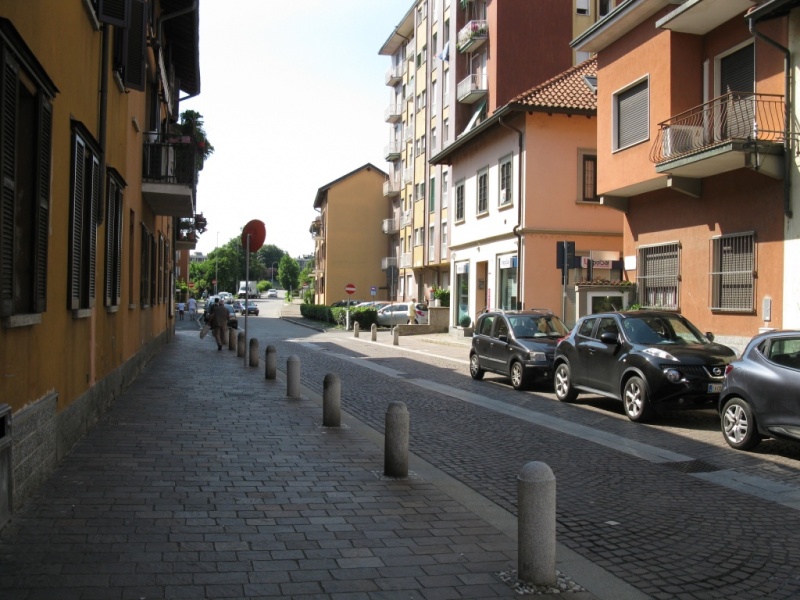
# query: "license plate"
[[714, 388]]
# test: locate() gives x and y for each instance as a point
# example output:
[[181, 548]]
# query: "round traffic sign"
[[257, 232], [350, 288]]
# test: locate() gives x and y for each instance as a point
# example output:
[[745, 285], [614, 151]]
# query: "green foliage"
[[308, 296], [263, 285], [317, 312], [288, 273], [464, 321], [442, 295]]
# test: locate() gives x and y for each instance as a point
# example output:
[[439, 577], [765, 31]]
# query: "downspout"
[[517, 228], [787, 75]]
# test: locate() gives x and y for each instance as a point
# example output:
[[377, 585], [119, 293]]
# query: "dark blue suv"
[[644, 358]]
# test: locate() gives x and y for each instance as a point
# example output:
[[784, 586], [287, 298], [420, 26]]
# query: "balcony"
[[394, 75], [408, 133], [406, 260], [408, 175], [472, 36], [391, 188], [187, 230], [391, 226], [730, 132], [169, 174], [471, 89], [406, 219], [394, 113], [392, 151], [389, 261]]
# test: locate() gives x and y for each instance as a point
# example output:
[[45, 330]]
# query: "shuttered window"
[[113, 270], [733, 272], [460, 201], [26, 115], [633, 115], [130, 45], [658, 275]]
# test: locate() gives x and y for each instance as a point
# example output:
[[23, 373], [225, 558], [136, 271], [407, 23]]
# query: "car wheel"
[[563, 384], [518, 378], [635, 402], [475, 370], [739, 425]]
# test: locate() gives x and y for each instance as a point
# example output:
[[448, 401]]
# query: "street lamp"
[[216, 267], [273, 273]]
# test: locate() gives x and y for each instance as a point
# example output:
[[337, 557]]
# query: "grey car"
[[760, 395], [397, 314]]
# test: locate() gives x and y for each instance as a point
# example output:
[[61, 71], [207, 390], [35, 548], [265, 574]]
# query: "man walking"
[[219, 322], [192, 308]]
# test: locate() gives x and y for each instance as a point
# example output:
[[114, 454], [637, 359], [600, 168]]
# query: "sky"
[[293, 97]]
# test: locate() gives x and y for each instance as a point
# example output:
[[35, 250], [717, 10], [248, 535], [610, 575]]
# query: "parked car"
[[272, 293], [344, 303], [760, 395], [646, 359], [518, 344], [251, 307], [227, 297], [237, 306], [232, 320], [397, 314]]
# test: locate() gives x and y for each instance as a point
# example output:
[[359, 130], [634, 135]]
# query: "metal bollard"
[[331, 400], [395, 461], [271, 363], [253, 358], [293, 376], [536, 524], [374, 332], [395, 337], [240, 344], [231, 339]]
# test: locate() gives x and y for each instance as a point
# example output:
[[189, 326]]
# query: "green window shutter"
[[8, 169], [76, 225], [91, 231], [135, 47], [42, 226]]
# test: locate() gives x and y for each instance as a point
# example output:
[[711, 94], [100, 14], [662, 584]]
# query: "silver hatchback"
[[397, 314]]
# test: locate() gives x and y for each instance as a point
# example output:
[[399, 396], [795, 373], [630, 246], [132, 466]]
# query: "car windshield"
[[662, 329], [533, 326]]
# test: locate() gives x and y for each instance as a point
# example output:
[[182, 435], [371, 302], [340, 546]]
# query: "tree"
[[288, 272], [192, 125]]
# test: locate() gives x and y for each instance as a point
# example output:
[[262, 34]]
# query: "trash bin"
[[5, 464]]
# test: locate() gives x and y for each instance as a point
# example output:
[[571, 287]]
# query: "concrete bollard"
[[253, 358], [356, 329], [231, 339], [271, 363], [293, 376], [536, 524], [395, 337], [331, 400], [374, 331], [395, 461], [240, 341]]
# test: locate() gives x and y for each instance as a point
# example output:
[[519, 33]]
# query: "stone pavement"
[[205, 480]]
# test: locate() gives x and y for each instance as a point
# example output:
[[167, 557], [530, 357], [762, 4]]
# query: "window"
[[431, 245], [460, 201], [147, 281], [113, 271], [445, 131], [632, 115], [25, 164], [432, 195], [589, 178], [444, 238], [434, 142], [419, 191], [420, 145], [483, 191], [605, 7], [84, 217], [434, 97], [582, 7], [506, 190], [732, 272], [444, 189], [658, 275], [418, 236]]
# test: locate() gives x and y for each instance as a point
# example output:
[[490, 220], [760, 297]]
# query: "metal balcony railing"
[[472, 35], [405, 260], [394, 113], [392, 151], [406, 219], [394, 74], [735, 116], [471, 88], [391, 188], [389, 261], [391, 226], [170, 159]]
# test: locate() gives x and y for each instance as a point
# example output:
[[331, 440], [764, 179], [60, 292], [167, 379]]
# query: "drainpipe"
[[518, 227], [787, 75]]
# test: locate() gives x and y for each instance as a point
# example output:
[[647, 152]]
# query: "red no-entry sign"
[[350, 288]]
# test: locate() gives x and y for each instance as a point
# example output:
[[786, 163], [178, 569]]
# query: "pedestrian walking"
[[181, 308], [219, 322], [192, 308], [412, 312]]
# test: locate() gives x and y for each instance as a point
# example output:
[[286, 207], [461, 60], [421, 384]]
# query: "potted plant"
[[441, 297]]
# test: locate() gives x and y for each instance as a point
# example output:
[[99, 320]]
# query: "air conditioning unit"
[[680, 139]]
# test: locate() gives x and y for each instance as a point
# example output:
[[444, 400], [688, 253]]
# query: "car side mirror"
[[609, 338], [710, 336]]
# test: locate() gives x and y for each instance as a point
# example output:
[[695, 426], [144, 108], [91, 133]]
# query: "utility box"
[[5, 464]]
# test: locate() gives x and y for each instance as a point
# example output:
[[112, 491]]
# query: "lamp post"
[[216, 267], [273, 274]]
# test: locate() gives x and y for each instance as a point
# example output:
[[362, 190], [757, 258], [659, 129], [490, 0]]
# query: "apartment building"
[[90, 214], [348, 240], [694, 149], [453, 64]]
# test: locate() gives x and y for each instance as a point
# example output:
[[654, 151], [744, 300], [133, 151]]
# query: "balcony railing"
[[406, 261], [391, 226], [472, 35], [471, 89], [735, 116], [408, 133], [394, 74], [406, 219], [389, 261], [391, 188], [394, 113], [169, 174], [392, 151]]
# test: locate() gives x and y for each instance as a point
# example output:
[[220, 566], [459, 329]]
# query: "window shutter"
[[42, 229], [114, 12], [91, 223], [135, 47], [117, 295], [110, 242], [8, 127], [78, 195], [737, 72], [633, 115]]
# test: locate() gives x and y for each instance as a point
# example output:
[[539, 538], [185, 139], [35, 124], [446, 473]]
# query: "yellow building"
[[349, 243], [94, 189]]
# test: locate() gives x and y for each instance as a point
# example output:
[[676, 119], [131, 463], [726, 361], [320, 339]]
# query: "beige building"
[[348, 239]]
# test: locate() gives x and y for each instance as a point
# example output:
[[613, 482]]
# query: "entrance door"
[[737, 78], [481, 287]]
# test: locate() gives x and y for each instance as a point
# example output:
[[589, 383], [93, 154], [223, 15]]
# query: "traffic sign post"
[[350, 289]]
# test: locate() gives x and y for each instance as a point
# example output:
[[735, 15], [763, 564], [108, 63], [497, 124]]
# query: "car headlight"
[[536, 356], [673, 375], [659, 353]]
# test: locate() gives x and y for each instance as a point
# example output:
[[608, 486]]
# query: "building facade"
[[91, 209]]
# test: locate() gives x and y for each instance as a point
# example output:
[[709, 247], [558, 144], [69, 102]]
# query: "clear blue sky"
[[292, 98]]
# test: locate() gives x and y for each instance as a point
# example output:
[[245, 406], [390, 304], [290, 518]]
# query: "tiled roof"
[[565, 92]]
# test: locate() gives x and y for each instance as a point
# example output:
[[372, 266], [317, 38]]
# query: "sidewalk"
[[205, 480]]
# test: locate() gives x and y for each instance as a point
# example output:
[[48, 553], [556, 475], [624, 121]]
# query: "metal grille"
[[733, 272], [659, 275]]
